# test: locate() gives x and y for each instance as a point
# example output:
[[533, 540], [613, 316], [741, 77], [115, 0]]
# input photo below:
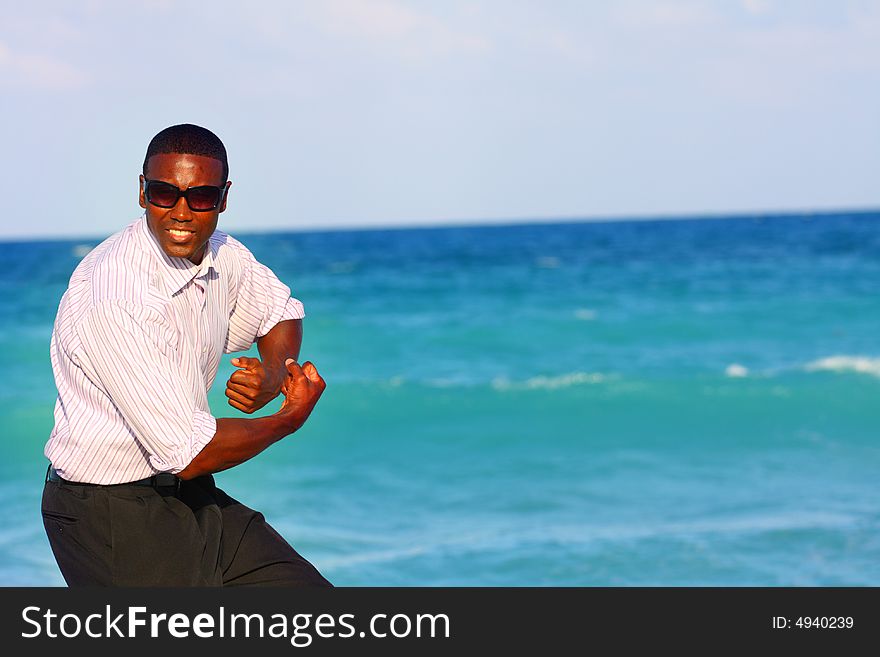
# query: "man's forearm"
[[236, 441], [283, 341], [240, 439]]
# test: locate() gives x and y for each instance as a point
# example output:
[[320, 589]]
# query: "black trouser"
[[128, 535]]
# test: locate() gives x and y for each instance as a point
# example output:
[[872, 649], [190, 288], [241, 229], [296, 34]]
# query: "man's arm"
[[283, 341], [258, 382], [239, 439]]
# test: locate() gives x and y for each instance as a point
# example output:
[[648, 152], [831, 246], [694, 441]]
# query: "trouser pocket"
[[62, 518], [79, 540], [158, 542]]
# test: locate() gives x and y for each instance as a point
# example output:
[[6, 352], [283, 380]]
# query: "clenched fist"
[[302, 388], [252, 386]]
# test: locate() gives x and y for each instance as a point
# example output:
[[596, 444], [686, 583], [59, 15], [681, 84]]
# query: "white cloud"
[[379, 19], [395, 25], [667, 15], [38, 70], [756, 6]]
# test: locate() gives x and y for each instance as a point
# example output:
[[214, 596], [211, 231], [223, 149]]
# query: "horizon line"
[[503, 222]]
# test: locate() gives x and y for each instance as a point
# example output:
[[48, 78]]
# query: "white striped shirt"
[[136, 346]]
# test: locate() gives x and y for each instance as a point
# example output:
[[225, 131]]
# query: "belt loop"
[[167, 482], [48, 470]]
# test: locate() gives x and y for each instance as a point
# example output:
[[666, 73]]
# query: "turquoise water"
[[631, 403]]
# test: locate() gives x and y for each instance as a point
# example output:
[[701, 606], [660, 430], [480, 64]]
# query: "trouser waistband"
[[163, 480]]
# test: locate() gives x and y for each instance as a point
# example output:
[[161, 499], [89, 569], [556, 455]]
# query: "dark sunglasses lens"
[[203, 198], [162, 194]]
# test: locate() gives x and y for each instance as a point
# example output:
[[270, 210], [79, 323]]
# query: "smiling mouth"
[[180, 235]]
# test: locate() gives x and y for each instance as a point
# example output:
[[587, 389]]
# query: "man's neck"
[[196, 258]]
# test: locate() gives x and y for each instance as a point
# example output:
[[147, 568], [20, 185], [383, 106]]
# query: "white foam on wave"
[[82, 250], [508, 535], [841, 363], [549, 382], [499, 382], [585, 314], [736, 371], [447, 382]]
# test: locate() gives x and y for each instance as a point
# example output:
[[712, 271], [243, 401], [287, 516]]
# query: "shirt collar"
[[176, 272]]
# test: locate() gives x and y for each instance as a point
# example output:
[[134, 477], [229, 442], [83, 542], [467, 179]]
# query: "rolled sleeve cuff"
[[204, 428], [293, 309]]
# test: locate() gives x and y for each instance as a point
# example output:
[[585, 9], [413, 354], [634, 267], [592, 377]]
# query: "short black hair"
[[190, 139]]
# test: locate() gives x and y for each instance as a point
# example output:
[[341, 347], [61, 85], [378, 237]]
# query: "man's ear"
[[141, 198], [225, 196]]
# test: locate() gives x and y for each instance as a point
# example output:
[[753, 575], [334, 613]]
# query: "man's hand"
[[239, 439], [252, 386], [302, 388]]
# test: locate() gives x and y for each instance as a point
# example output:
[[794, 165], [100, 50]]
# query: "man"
[[129, 499]]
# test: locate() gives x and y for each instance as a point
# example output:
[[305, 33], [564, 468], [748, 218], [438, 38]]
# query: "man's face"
[[183, 171]]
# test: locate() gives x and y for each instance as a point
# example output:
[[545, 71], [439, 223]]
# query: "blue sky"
[[384, 112]]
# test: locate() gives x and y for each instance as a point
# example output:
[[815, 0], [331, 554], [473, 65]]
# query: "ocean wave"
[[736, 371], [549, 382], [585, 314], [508, 536], [548, 262], [859, 364], [498, 383]]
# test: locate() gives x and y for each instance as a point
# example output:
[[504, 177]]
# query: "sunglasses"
[[199, 199]]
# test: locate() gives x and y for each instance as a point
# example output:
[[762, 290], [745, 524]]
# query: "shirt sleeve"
[[261, 302], [129, 352]]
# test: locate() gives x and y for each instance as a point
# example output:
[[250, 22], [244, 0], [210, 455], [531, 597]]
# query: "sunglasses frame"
[[185, 194]]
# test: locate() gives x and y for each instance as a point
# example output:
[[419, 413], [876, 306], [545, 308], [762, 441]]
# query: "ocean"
[[678, 403]]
